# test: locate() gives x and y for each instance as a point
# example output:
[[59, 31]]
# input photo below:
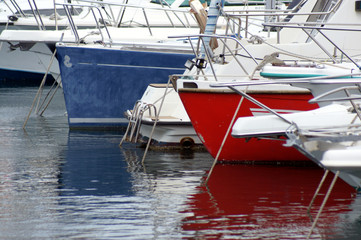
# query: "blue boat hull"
[[17, 78], [100, 84]]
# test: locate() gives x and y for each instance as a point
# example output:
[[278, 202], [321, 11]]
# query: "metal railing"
[[228, 53], [93, 10], [117, 19], [236, 18], [135, 117], [105, 15]]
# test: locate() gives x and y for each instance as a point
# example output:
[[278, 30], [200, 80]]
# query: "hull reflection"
[[93, 166], [253, 202]]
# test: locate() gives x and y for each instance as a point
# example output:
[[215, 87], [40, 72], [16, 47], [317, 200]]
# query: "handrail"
[[36, 14], [103, 6], [34, 9], [328, 39], [275, 13], [320, 97], [222, 38], [143, 8], [118, 21], [73, 25], [299, 25], [340, 130], [16, 6], [280, 12], [258, 103], [331, 79]]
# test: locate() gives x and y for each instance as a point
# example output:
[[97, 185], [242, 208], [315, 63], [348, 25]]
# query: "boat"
[[329, 135], [96, 78], [24, 8], [99, 84], [165, 121], [147, 120], [129, 33], [282, 98], [29, 37], [17, 63], [335, 148], [217, 108]]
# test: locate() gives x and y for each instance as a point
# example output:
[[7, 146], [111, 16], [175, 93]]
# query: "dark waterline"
[[61, 184]]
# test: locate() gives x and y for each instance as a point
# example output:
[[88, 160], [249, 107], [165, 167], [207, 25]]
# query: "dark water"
[[60, 184]]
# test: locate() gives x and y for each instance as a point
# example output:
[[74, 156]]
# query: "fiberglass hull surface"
[[101, 84], [212, 112]]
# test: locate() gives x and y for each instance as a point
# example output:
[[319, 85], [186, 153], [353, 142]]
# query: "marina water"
[[62, 184]]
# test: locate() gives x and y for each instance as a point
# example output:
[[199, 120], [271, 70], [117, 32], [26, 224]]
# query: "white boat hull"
[[173, 127]]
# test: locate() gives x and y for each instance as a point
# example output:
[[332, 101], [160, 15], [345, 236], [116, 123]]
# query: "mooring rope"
[[323, 203], [40, 87], [224, 138], [155, 121]]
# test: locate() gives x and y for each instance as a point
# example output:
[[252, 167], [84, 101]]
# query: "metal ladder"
[[135, 120]]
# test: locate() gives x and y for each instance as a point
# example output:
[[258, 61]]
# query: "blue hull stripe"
[[130, 66]]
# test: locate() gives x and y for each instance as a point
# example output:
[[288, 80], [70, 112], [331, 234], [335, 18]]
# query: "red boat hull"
[[211, 113]]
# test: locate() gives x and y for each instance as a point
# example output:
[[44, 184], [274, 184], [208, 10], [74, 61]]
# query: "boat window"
[[322, 6]]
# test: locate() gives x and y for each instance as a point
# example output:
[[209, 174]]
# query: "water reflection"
[[29, 166], [94, 166], [253, 202], [104, 186], [60, 184]]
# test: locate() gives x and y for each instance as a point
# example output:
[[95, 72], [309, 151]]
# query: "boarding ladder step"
[[135, 117]]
